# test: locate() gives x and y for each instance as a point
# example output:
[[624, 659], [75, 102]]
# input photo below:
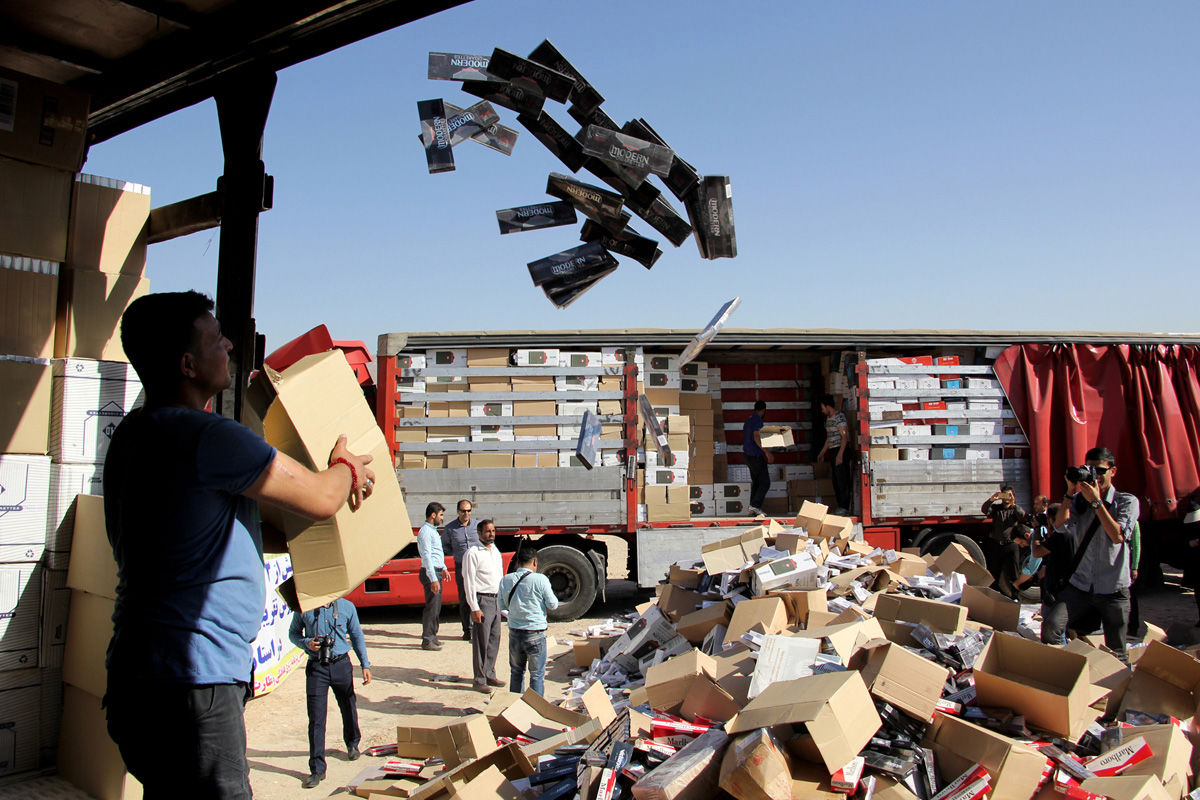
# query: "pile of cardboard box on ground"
[[798, 663]]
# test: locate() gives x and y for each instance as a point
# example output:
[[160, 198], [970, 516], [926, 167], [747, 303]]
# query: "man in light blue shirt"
[[526, 595], [433, 568], [329, 668]]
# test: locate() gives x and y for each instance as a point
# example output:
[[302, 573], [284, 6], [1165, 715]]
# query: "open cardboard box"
[[770, 612], [900, 677], [696, 625], [940, 616], [1106, 671], [835, 708], [1016, 768], [846, 637], [1165, 681], [955, 558], [799, 603], [302, 411], [1050, 686], [991, 608], [464, 739], [734, 552], [534, 716]]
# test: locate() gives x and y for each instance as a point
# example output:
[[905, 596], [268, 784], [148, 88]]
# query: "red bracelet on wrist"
[[353, 471]]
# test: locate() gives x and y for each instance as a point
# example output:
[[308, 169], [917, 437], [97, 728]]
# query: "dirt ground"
[[408, 680]]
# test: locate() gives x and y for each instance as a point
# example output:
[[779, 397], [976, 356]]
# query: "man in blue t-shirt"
[[180, 486], [756, 458]]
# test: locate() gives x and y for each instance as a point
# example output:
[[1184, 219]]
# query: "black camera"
[[325, 653], [1084, 474]]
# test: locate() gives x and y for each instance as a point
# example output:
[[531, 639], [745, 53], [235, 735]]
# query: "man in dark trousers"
[[460, 535], [483, 567], [1002, 552], [326, 635], [756, 458], [433, 570], [1098, 520], [180, 492], [837, 438]]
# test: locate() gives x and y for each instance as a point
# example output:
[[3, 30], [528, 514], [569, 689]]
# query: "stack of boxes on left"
[[72, 257]]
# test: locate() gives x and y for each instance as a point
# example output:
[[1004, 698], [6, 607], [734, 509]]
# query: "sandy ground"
[[408, 680]]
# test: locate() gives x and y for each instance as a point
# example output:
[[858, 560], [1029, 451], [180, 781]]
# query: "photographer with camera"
[[1002, 552], [1097, 522], [326, 635]]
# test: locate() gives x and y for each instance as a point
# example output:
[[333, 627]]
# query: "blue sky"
[[1001, 166]]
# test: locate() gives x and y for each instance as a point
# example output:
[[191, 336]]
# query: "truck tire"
[[921, 536], [936, 543], [572, 577]]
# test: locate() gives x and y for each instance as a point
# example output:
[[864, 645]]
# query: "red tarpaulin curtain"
[[1140, 401]]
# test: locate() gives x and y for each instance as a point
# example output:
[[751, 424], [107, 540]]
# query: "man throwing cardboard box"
[[180, 486]]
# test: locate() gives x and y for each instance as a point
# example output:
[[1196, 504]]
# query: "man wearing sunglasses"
[[1098, 521], [461, 535]]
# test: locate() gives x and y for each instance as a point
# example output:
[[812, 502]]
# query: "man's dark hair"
[[483, 523], [1041, 497], [433, 508], [156, 330], [1006, 487], [1101, 454], [827, 400], [460, 502], [526, 553], [759, 405]]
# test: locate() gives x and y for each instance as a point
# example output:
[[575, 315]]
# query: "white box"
[[504, 433], [777, 489], [983, 453], [657, 362], [411, 386], [612, 458], [446, 357], [880, 383], [731, 491], [661, 380], [914, 454], [693, 385], [984, 405], [411, 360], [662, 476], [67, 481], [701, 491], [492, 408], [880, 406], [575, 408], [615, 356], [20, 720], [576, 383], [798, 570], [540, 357], [90, 400], [569, 431], [738, 473], [983, 383], [905, 431], [906, 383], [798, 472], [20, 615], [580, 358], [703, 508], [985, 428], [959, 405], [25, 481], [928, 383]]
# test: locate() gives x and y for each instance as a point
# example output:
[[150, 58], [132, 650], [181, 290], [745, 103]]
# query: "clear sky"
[[1016, 165]]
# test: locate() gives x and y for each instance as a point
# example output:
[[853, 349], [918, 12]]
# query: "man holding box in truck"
[[756, 458], [180, 486]]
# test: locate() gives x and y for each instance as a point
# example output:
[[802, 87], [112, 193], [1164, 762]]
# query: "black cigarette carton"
[[510, 66], [435, 134], [563, 297], [460, 67], [496, 136], [584, 196], [574, 264], [555, 137], [583, 94], [626, 243], [524, 97], [466, 123], [710, 209], [640, 191], [682, 177], [535, 217], [591, 116], [664, 219], [638, 155]]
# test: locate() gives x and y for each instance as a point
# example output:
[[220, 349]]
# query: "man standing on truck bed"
[[180, 486], [433, 569], [526, 595], [460, 535], [756, 458], [837, 437]]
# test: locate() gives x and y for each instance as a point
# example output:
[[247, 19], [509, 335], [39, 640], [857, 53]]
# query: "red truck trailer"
[[492, 417]]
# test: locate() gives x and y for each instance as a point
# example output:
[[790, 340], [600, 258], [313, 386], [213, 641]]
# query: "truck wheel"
[[572, 577], [921, 536], [935, 544]]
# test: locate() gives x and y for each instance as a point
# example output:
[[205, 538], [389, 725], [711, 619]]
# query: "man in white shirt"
[[482, 569]]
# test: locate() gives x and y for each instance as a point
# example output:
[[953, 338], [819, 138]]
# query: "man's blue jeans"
[[527, 648]]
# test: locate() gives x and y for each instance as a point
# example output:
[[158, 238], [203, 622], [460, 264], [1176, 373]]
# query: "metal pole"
[[242, 107]]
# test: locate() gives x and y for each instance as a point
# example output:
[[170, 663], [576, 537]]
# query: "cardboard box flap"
[[1051, 687], [1165, 681], [1131, 787], [845, 638], [597, 705]]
